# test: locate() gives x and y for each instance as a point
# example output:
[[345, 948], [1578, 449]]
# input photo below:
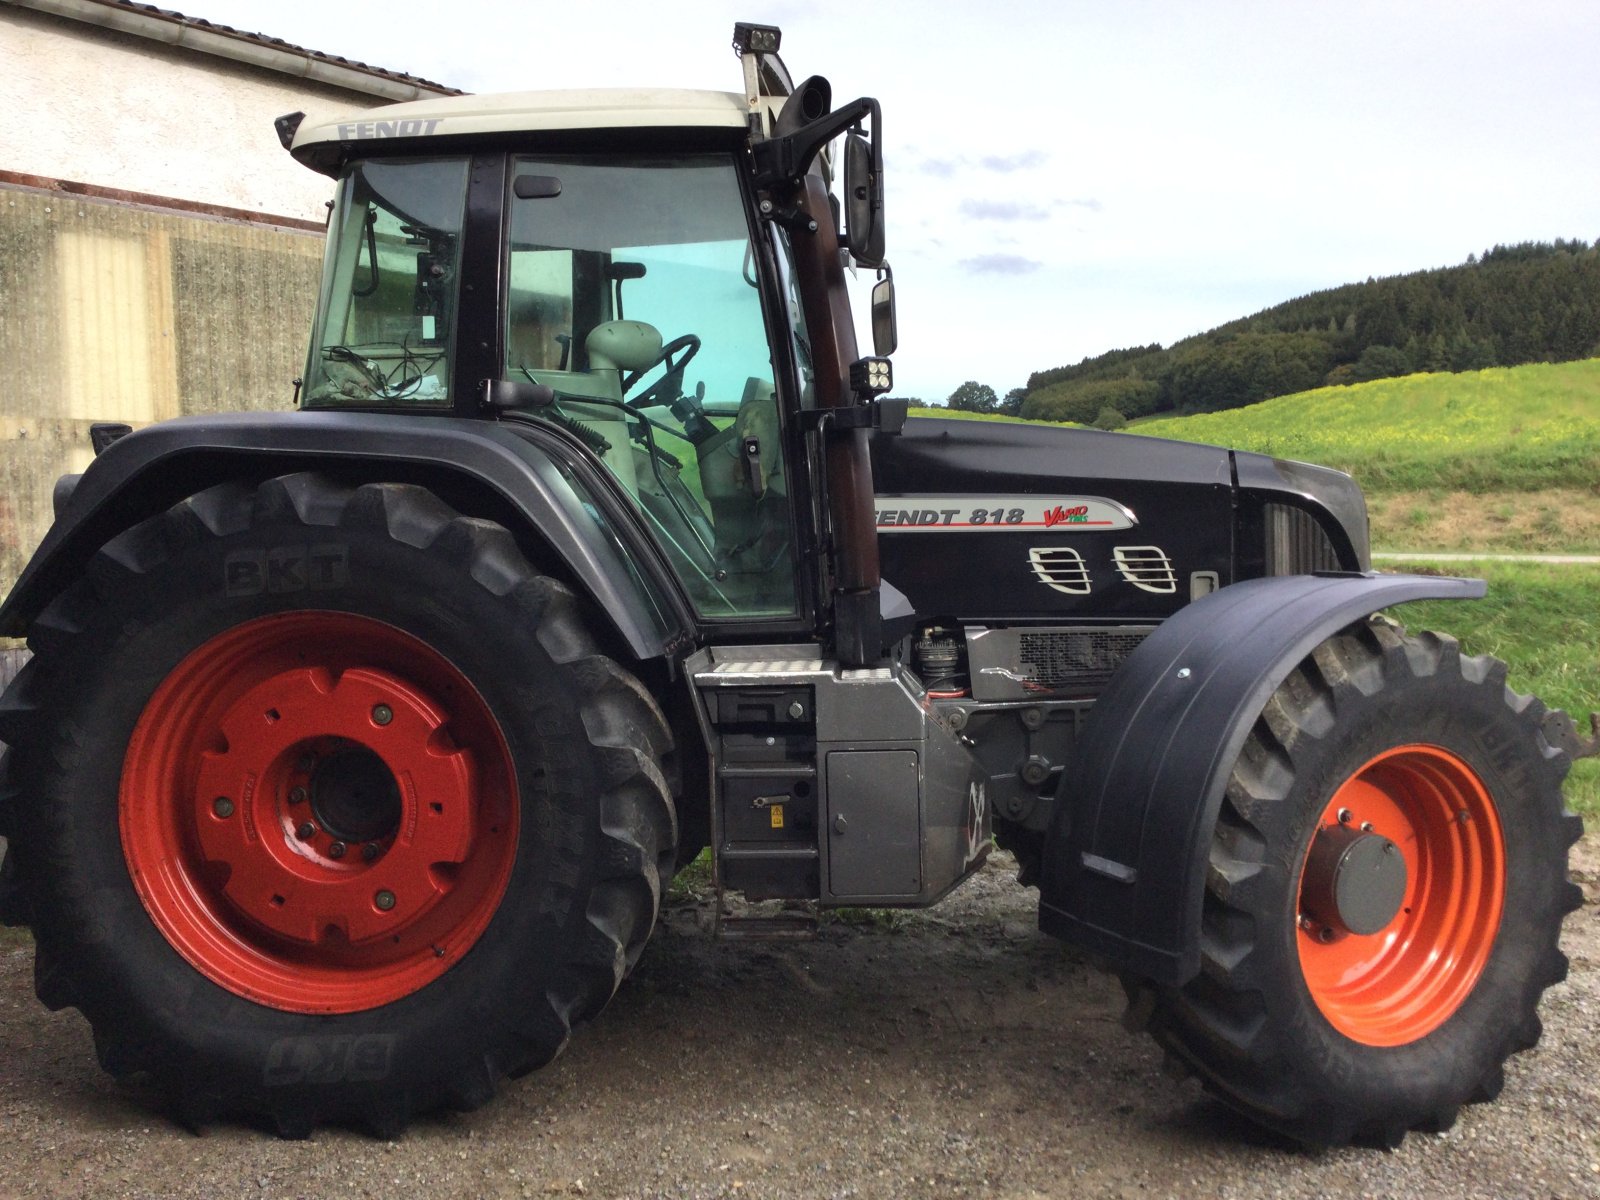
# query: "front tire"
[[325, 806], [1385, 895]]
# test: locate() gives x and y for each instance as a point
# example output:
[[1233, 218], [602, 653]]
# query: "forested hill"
[[1534, 302]]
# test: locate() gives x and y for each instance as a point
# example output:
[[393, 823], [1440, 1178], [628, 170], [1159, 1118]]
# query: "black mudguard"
[[1124, 868], [145, 472]]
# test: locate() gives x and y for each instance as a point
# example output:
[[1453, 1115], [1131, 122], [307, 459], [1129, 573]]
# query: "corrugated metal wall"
[[115, 312]]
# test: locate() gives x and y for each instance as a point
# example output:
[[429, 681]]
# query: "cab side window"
[[631, 293]]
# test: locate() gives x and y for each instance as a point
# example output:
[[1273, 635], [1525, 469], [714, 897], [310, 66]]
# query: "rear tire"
[[325, 807], [1298, 1018]]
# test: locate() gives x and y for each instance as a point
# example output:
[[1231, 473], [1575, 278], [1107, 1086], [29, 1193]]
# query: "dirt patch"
[[1549, 521], [954, 1052]]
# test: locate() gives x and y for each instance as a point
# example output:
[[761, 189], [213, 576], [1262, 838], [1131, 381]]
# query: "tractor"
[[360, 742]]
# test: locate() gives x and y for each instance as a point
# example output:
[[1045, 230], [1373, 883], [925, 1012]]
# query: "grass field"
[[1503, 460], [1545, 521], [1505, 429], [1539, 618]]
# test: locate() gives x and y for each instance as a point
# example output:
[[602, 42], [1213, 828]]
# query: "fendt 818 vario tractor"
[[360, 742]]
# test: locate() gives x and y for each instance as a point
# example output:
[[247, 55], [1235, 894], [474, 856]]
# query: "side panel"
[[985, 522], [1124, 868], [145, 472], [874, 824]]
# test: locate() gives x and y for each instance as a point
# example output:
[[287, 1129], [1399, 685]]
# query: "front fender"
[[1125, 862], [145, 472]]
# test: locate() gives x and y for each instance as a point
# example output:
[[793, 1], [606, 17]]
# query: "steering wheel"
[[667, 390]]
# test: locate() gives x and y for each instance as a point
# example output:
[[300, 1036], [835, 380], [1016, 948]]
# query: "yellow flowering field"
[[1527, 427]]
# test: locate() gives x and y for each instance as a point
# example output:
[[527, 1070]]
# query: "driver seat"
[[622, 346], [614, 347]]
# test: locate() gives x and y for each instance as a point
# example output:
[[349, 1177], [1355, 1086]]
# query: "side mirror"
[[863, 197], [885, 336]]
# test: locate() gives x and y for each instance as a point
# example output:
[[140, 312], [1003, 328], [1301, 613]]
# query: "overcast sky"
[[1067, 178]]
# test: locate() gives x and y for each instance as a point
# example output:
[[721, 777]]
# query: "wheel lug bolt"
[[222, 806], [306, 831], [1346, 816], [382, 714], [369, 852], [337, 850], [297, 795], [384, 900]]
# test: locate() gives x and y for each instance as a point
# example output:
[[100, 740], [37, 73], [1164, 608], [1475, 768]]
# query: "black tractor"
[[360, 742]]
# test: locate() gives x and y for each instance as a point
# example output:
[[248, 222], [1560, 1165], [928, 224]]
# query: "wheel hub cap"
[[1355, 882], [354, 795]]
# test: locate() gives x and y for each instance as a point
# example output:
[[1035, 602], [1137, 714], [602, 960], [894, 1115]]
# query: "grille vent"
[[1146, 567], [1296, 544], [1063, 659], [1060, 567]]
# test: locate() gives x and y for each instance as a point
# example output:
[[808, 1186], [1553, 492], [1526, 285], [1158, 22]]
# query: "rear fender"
[[1124, 868], [144, 473]]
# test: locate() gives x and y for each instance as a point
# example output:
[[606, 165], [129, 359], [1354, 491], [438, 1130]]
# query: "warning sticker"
[[777, 816]]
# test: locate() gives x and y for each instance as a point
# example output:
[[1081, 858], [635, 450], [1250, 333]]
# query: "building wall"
[[102, 107], [118, 312], [121, 301]]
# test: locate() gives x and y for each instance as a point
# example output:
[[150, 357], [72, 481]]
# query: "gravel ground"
[[956, 1052]]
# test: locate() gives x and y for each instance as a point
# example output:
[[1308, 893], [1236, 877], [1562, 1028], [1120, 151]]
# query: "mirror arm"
[[787, 158]]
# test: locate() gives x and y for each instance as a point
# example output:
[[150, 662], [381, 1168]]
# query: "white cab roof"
[[513, 112]]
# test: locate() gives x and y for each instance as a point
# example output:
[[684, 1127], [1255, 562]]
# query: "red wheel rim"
[[319, 812], [1401, 983]]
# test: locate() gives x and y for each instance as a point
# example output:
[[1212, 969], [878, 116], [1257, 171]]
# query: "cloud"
[[1006, 163], [1003, 164], [1003, 210], [1001, 264], [1018, 210]]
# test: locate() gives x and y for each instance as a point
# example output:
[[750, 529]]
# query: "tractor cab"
[[614, 264]]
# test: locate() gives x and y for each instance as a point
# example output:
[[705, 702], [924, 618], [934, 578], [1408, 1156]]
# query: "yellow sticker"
[[777, 816]]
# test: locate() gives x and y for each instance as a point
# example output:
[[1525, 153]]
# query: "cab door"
[[632, 291]]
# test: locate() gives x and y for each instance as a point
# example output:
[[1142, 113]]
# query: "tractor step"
[[780, 927]]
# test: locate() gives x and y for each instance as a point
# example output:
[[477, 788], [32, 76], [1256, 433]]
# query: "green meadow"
[[1506, 428], [1540, 619]]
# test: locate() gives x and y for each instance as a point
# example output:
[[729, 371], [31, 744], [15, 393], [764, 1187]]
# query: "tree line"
[[1530, 302]]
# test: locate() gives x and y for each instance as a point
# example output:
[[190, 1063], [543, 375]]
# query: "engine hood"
[[999, 522], [986, 455]]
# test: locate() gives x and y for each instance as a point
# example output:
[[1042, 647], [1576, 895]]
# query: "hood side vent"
[[1061, 568], [1146, 567]]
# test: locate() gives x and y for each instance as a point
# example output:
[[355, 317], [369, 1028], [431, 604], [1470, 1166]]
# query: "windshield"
[[632, 293], [385, 329]]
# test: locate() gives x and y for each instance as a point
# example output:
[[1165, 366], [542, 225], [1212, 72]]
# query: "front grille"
[[1060, 567], [1146, 567], [1296, 544], [1063, 659]]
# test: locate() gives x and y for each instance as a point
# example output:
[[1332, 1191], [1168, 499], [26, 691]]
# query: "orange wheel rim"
[[1400, 983], [318, 812]]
